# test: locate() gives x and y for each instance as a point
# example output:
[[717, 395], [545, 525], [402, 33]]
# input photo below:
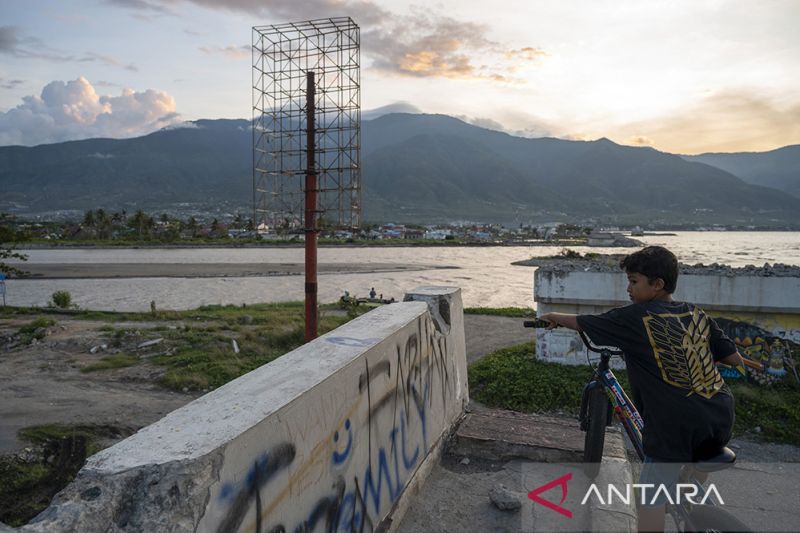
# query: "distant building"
[[438, 234], [602, 238]]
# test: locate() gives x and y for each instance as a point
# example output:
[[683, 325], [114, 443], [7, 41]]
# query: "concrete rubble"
[[610, 263]]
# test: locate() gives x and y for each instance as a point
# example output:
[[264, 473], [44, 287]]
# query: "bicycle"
[[602, 398]]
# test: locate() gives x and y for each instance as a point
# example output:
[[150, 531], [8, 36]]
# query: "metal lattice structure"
[[282, 57]]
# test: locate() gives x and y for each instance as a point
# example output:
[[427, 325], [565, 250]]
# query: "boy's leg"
[[656, 474], [651, 517]]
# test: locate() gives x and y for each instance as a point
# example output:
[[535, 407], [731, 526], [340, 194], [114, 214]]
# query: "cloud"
[[8, 39], [726, 121], [429, 45], [639, 140], [528, 53], [289, 10], [396, 107], [10, 84], [420, 44], [234, 52], [141, 5], [107, 60], [33, 48], [483, 122], [73, 110]]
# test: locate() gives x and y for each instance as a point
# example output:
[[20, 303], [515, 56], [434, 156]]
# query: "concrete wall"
[[761, 313], [328, 437]]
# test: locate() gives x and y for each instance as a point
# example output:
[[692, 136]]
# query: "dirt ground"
[[42, 383]]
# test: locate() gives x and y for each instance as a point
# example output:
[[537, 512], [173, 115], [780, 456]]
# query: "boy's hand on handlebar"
[[550, 319]]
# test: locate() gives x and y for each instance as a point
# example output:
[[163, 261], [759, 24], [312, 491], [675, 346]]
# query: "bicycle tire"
[[712, 518], [594, 440]]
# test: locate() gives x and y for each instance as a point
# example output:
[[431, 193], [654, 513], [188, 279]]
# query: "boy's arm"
[[561, 319], [734, 359]]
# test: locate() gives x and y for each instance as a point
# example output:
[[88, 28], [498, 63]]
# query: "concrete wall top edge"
[[210, 421], [756, 293], [434, 290]]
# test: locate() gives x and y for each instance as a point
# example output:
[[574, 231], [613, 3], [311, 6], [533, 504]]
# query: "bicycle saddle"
[[724, 458]]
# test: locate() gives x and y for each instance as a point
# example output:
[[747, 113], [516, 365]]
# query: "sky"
[[686, 76]]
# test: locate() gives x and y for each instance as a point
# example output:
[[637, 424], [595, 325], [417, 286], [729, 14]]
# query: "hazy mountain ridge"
[[416, 168], [778, 168]]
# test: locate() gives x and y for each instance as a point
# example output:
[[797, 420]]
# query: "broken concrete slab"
[[501, 435]]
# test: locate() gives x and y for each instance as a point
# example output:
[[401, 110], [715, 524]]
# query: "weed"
[[62, 299], [120, 360], [35, 330], [514, 312]]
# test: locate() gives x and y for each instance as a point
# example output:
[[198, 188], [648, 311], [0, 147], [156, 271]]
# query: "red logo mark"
[[562, 481]]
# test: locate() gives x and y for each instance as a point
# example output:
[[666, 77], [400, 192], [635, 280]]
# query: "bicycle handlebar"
[[593, 348], [539, 323], [752, 364]]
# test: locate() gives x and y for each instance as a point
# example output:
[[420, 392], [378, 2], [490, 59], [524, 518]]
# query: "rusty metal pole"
[[311, 213]]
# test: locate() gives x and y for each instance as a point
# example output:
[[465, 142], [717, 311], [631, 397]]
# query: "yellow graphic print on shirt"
[[683, 352]]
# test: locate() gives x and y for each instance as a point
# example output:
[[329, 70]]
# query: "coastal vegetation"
[[513, 312]]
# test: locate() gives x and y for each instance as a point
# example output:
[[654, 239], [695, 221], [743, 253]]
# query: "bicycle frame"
[[621, 405]]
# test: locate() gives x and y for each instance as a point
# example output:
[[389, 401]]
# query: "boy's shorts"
[[658, 472]]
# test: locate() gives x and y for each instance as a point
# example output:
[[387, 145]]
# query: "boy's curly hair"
[[654, 262]]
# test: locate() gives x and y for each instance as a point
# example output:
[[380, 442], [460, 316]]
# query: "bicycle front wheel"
[[712, 518], [597, 412]]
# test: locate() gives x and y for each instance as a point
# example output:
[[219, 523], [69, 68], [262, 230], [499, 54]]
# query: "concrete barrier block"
[[326, 437]]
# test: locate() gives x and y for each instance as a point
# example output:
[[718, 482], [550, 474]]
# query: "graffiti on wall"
[[777, 354], [374, 449]]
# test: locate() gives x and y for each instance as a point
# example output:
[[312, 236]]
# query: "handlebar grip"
[[752, 364], [538, 323]]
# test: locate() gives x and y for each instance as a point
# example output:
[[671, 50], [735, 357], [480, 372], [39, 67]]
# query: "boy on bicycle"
[[670, 353]]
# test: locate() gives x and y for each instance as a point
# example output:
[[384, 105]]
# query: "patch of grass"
[[205, 359], [775, 409], [47, 433], [29, 332], [514, 379], [26, 487], [514, 312], [20, 479], [120, 360]]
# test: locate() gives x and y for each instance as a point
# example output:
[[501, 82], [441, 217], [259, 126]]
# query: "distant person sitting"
[[372, 293]]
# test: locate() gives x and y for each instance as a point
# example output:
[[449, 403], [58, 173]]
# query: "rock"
[[757, 429], [504, 499], [464, 461], [147, 344], [235, 346]]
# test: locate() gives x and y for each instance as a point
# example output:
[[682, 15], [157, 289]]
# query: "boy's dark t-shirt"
[[670, 349]]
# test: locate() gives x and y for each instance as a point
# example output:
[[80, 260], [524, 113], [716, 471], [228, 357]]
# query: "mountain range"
[[420, 168]]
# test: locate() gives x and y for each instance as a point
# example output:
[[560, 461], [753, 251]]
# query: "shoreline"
[[37, 271]]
